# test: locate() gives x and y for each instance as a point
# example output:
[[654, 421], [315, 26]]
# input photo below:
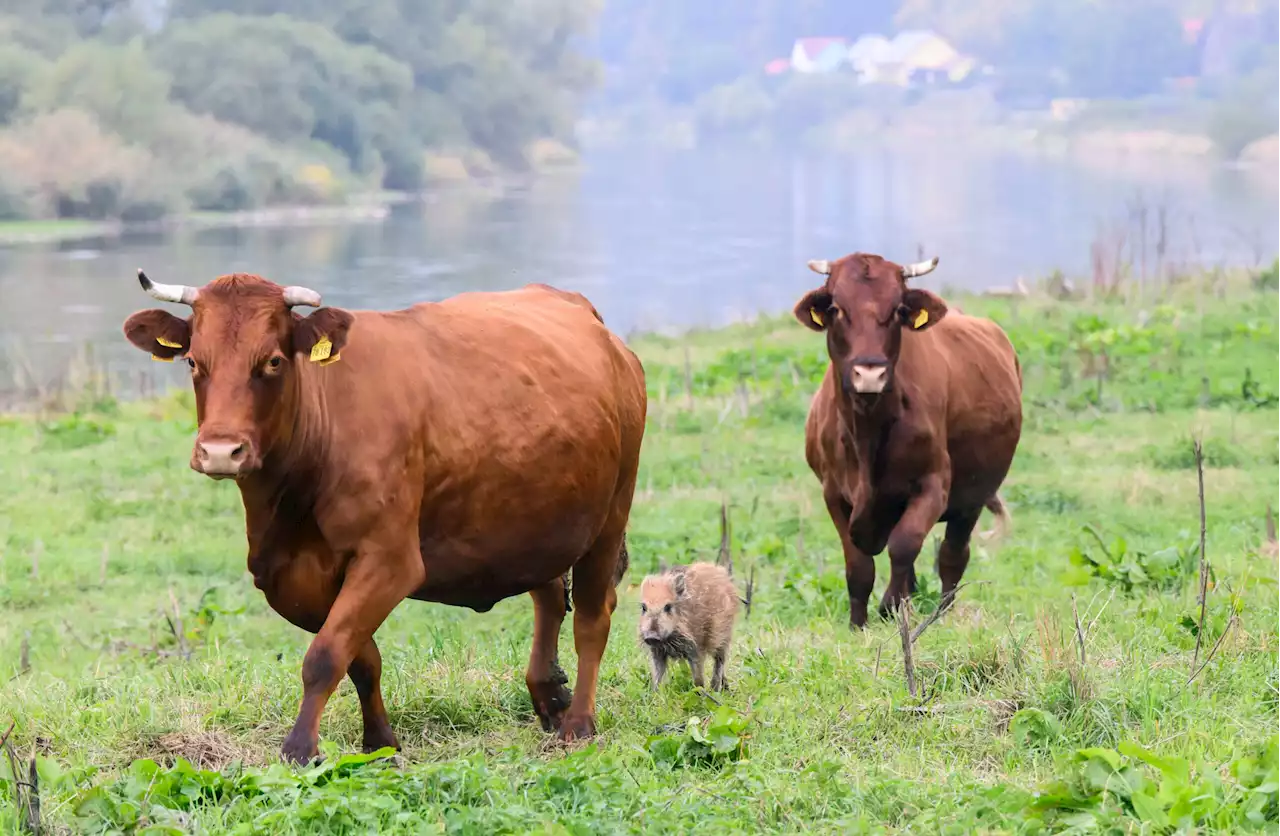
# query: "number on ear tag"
[[320, 351]]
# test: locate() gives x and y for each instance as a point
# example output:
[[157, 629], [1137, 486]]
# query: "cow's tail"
[[624, 561], [1003, 520]]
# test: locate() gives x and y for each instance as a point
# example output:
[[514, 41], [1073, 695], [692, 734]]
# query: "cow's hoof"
[[373, 741], [550, 701], [299, 751], [577, 727]]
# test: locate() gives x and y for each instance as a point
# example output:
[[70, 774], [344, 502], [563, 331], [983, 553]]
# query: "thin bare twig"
[[725, 557], [943, 606], [907, 663], [1101, 610], [1079, 630], [175, 626], [1213, 651], [4, 738], [1204, 558], [688, 378]]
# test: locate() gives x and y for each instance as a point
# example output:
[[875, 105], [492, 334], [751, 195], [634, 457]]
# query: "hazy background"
[[677, 161]]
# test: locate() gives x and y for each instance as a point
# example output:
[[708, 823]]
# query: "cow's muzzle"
[[223, 458], [869, 378]]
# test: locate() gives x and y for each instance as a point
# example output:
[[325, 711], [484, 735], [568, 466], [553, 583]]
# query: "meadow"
[[1074, 686]]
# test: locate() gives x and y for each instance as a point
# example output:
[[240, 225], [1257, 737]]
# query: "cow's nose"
[[221, 458], [869, 379]]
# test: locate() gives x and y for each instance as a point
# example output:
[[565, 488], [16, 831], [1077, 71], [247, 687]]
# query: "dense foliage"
[[130, 109]]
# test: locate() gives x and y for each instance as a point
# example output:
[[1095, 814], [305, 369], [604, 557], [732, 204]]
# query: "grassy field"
[[1023, 722]]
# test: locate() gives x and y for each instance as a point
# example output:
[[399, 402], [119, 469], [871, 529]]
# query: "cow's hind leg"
[[594, 600], [544, 678], [907, 539], [953, 552], [366, 674]]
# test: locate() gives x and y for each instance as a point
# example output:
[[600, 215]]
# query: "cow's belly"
[[478, 563]]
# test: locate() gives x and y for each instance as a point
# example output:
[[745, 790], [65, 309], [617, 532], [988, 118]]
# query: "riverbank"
[[372, 206], [154, 684]]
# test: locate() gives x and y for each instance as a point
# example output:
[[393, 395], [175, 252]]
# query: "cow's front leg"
[[907, 538], [377, 579]]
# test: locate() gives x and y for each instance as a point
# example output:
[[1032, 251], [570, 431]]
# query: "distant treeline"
[[133, 109]]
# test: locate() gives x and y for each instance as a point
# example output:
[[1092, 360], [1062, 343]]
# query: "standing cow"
[[461, 452], [916, 422]]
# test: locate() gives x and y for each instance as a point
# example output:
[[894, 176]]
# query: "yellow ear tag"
[[335, 358], [167, 343], [921, 319], [161, 359], [320, 351], [817, 317]]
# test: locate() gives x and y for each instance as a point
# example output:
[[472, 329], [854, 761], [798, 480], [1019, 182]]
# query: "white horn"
[[295, 295], [822, 268], [168, 292], [919, 268]]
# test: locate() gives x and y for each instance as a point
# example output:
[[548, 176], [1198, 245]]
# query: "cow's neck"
[[282, 494], [867, 424]]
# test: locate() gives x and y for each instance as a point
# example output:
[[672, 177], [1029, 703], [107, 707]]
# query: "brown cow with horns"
[[461, 452], [916, 422]]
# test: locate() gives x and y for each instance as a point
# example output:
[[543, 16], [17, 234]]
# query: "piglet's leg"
[[695, 668], [908, 538]]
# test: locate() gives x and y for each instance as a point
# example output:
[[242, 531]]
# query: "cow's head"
[[864, 307], [245, 347]]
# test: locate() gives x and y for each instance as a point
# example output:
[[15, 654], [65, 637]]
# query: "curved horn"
[[168, 292], [822, 268], [919, 268], [296, 295]]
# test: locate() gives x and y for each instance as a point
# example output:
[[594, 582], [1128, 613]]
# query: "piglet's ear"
[[322, 335], [677, 583], [159, 333], [811, 310], [921, 309]]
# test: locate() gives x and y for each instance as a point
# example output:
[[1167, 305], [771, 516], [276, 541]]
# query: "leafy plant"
[[706, 741], [1132, 570], [1035, 729]]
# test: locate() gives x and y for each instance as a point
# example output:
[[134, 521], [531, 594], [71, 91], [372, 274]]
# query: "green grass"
[[101, 521], [50, 231]]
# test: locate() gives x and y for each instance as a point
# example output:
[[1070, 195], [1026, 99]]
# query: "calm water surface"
[[657, 241]]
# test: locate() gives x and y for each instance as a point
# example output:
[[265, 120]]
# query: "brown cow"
[[906, 430], [461, 452]]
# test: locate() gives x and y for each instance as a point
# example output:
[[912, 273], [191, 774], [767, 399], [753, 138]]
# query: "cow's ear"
[[322, 335], [811, 310], [920, 309], [159, 333]]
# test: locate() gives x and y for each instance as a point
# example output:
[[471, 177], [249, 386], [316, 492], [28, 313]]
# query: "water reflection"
[[657, 240]]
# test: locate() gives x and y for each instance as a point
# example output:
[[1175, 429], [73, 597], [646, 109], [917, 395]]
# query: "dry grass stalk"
[[1204, 559]]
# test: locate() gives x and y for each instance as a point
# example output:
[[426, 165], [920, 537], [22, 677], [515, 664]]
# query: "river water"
[[659, 241]]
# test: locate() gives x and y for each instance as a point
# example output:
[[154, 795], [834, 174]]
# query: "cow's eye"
[[273, 365], [191, 364]]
